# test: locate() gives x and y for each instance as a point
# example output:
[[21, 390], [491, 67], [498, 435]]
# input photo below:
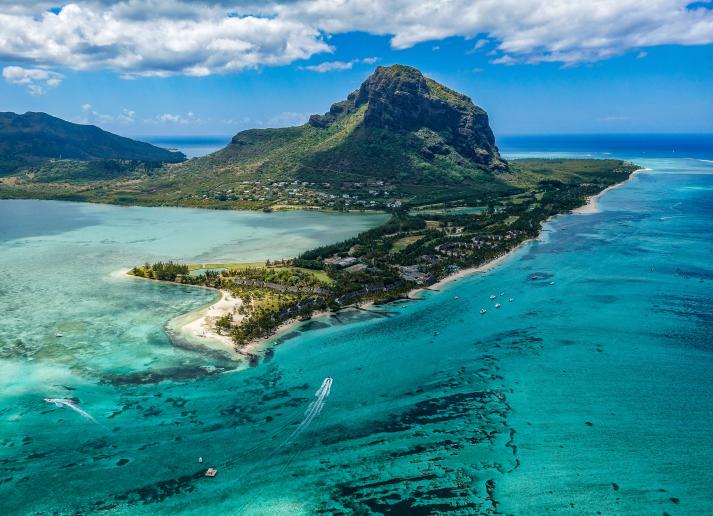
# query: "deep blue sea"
[[619, 145], [191, 146], [590, 393]]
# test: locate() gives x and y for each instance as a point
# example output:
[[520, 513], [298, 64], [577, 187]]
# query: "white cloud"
[[92, 116], [36, 80], [528, 31], [178, 119], [127, 116], [286, 118], [331, 66], [168, 37], [478, 45], [163, 38]]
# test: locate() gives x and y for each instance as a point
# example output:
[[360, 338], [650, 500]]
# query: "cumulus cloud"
[[155, 38], [36, 80], [176, 119], [526, 31], [169, 37], [94, 117], [331, 66]]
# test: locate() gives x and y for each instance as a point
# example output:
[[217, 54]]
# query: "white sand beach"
[[592, 205], [201, 327]]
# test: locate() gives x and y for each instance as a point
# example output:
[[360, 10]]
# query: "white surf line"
[[313, 410], [62, 402]]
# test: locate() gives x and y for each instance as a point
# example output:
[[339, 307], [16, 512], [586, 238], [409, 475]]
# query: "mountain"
[[435, 120], [400, 139], [37, 137], [399, 125]]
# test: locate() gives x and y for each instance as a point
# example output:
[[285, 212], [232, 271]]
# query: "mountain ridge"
[[34, 137]]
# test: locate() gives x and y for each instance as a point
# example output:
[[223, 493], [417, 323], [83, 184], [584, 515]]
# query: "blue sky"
[[526, 90]]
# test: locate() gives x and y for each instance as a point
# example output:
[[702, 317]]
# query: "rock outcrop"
[[399, 98]]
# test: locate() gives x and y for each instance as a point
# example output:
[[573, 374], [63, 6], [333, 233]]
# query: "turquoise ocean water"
[[591, 392]]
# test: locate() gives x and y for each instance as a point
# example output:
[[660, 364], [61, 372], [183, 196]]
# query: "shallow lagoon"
[[591, 394]]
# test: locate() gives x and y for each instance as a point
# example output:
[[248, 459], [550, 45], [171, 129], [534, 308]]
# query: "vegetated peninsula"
[[401, 142]]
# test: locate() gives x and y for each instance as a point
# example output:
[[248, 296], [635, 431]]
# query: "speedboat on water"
[[497, 305], [510, 300], [492, 296], [482, 311]]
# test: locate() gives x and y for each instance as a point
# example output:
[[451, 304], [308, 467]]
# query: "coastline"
[[196, 327], [200, 326], [592, 204], [483, 268]]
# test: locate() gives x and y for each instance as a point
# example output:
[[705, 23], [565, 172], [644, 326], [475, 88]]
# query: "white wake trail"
[[62, 402], [313, 410]]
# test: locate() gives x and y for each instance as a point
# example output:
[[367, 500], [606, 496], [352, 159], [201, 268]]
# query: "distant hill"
[[36, 137]]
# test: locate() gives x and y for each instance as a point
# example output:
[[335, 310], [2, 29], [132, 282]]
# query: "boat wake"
[[63, 402], [313, 410]]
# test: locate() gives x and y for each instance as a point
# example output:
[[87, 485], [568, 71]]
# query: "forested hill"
[[36, 137]]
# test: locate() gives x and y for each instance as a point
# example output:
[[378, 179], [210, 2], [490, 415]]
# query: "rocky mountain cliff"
[[398, 126], [399, 98]]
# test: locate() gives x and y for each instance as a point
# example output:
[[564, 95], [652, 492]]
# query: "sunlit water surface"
[[591, 391]]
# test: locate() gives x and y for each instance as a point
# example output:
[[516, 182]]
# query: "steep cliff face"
[[399, 98], [399, 128]]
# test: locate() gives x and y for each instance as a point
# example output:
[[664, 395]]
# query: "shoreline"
[[199, 325], [193, 327], [464, 273], [592, 204], [196, 326]]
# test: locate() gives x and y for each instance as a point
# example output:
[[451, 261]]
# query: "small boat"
[[200, 460], [551, 283], [482, 311], [456, 297], [211, 472], [502, 294], [492, 297], [510, 300], [435, 333], [58, 335], [497, 305]]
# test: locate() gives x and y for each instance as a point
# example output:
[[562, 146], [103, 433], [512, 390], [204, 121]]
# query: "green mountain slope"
[[399, 125], [401, 140], [36, 137]]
